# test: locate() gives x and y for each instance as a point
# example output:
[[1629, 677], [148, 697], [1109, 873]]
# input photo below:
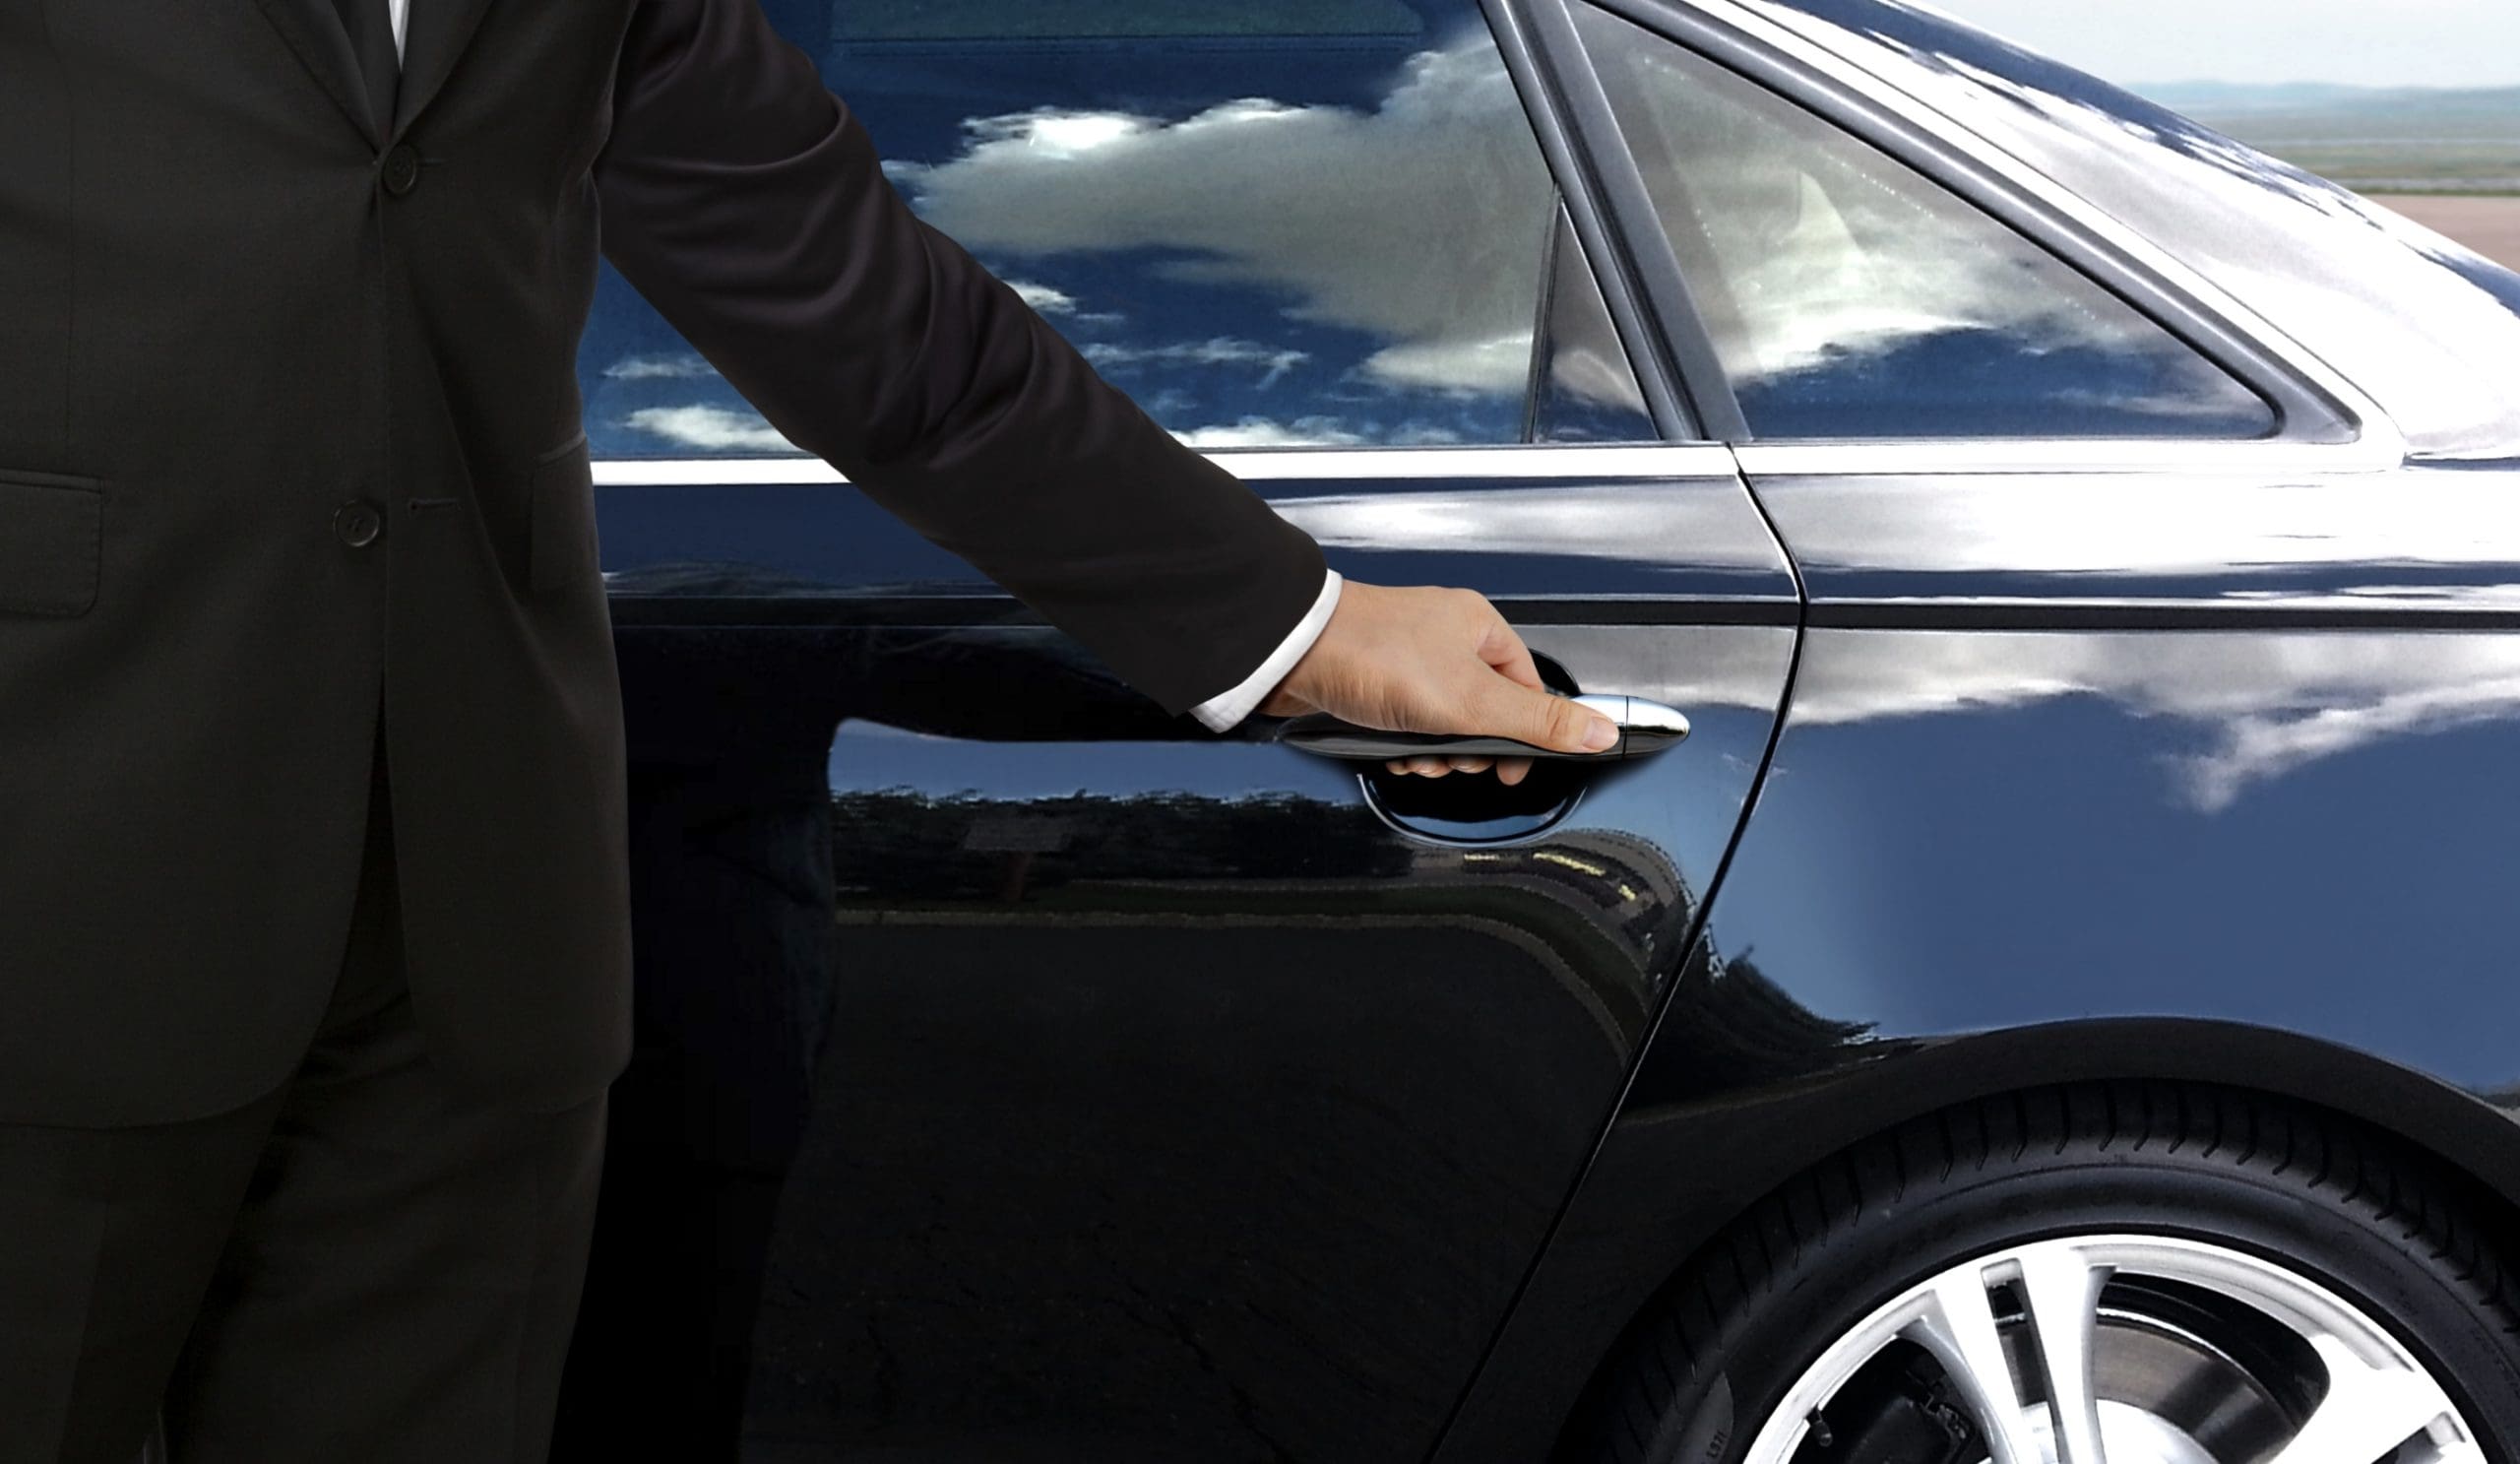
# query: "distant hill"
[[2375, 138], [2325, 97]]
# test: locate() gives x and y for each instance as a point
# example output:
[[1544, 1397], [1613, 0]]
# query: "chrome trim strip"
[[2111, 614], [1548, 460], [1539, 84], [1642, 285], [715, 473], [1949, 457]]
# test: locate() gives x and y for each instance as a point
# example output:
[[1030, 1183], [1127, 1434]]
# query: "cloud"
[[687, 366], [1499, 365], [1046, 299], [1320, 430], [715, 430], [1261, 431], [1338, 211], [2254, 749], [2339, 534], [1817, 252], [1216, 350], [2266, 703], [1619, 520]]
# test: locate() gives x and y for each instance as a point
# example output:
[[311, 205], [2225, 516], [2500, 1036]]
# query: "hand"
[[1434, 660]]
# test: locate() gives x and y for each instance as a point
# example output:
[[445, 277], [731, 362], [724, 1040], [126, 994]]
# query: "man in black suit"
[[313, 916]]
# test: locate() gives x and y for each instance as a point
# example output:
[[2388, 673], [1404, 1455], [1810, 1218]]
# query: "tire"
[[2246, 1265]]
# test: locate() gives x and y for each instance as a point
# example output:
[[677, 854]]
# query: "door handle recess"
[[1644, 727]]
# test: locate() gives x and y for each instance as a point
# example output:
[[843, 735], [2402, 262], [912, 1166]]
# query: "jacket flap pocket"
[[52, 543]]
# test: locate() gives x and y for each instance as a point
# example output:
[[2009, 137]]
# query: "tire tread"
[[1741, 1270]]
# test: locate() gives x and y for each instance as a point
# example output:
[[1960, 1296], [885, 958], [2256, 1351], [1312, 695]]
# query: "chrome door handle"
[[1644, 726]]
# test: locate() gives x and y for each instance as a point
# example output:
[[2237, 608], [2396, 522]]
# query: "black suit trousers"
[[371, 1263]]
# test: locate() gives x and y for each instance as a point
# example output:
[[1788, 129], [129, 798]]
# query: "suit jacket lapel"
[[434, 36], [313, 29]]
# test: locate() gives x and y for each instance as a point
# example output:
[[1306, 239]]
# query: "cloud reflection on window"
[[1344, 249], [737, 430], [2421, 323], [1850, 296], [1409, 235]]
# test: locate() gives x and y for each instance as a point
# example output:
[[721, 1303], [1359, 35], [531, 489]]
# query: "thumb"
[[1502, 708]]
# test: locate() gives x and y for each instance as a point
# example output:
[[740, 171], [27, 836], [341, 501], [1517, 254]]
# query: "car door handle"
[[1644, 726]]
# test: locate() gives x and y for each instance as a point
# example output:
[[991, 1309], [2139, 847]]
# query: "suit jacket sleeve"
[[745, 202]]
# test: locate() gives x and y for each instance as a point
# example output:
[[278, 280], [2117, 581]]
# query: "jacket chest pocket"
[[563, 551], [52, 529]]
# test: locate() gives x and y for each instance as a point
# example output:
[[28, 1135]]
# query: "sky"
[[2359, 43]]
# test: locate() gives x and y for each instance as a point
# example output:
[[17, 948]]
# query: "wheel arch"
[[2474, 1133], [1672, 1175]]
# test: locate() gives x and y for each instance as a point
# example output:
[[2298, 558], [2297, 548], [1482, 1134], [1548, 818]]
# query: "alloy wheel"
[[2118, 1348]]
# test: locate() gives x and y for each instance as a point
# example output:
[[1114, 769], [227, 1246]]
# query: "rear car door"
[[1022, 1073], [2121, 619]]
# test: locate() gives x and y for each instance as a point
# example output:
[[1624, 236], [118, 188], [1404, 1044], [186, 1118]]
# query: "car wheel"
[[2140, 1275]]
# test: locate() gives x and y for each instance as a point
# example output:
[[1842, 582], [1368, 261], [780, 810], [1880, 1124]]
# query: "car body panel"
[[1126, 1090], [1045, 1078], [2179, 761], [2143, 776]]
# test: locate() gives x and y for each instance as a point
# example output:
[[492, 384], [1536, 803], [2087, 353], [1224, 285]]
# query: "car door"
[[1022, 1073]]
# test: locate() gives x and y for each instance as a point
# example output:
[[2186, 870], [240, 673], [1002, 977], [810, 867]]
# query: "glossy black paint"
[[1023, 1074], [2007, 841]]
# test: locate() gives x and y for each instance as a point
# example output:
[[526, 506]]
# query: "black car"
[[2057, 1003]]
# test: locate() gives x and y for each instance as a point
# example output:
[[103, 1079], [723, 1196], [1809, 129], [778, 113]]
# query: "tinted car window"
[[1583, 389], [1850, 296], [2427, 328], [1307, 221]]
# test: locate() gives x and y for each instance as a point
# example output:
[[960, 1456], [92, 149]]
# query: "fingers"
[[1509, 770], [1437, 766], [1501, 708], [1504, 650], [1394, 658]]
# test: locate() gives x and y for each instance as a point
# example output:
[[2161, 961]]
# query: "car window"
[[1849, 296], [1583, 389], [1308, 222]]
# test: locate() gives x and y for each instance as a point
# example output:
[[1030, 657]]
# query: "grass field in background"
[[2449, 159], [2374, 140]]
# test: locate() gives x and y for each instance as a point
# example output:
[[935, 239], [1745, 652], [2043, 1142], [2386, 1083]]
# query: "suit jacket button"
[[357, 523], [402, 169]]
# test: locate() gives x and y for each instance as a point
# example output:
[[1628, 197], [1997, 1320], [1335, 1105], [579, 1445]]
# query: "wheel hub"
[[2117, 1350]]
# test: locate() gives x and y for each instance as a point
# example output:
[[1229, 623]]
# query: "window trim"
[[1543, 311], [1650, 305], [1601, 461], [2316, 407]]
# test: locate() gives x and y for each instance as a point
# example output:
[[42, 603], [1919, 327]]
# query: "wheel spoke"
[[2369, 1409], [2380, 1406], [2062, 1291], [1957, 1325]]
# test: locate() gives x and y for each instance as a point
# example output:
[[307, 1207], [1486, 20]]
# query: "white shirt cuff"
[[1220, 712]]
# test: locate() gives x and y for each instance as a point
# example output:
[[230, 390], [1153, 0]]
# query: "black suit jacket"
[[234, 319]]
